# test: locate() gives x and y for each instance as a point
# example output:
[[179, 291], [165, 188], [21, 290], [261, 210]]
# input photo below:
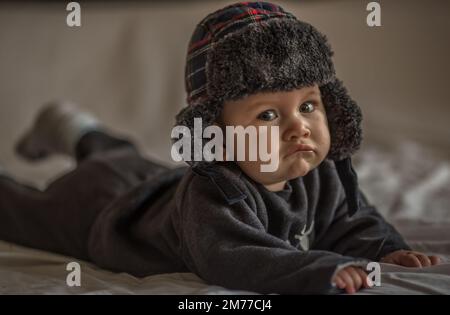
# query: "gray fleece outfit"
[[231, 231]]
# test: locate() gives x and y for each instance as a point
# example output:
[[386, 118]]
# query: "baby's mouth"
[[300, 148]]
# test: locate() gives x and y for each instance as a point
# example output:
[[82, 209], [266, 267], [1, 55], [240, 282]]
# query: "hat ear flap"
[[344, 120]]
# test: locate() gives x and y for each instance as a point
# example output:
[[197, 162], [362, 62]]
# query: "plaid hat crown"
[[215, 26]]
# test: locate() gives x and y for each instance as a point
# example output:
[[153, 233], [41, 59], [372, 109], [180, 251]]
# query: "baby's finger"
[[357, 281], [349, 286], [367, 283], [435, 260], [339, 282], [409, 260], [424, 260]]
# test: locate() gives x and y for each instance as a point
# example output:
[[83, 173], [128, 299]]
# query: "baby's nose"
[[296, 129]]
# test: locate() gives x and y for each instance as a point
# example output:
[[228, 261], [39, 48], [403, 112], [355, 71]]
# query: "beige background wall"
[[126, 65]]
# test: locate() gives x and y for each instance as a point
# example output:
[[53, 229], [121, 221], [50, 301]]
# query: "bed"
[[420, 212]]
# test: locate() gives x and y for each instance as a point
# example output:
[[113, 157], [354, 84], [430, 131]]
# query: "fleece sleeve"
[[365, 234], [227, 245]]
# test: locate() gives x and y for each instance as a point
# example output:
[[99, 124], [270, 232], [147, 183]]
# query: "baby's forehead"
[[259, 98]]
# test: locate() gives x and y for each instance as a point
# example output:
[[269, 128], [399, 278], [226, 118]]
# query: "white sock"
[[73, 128], [57, 129]]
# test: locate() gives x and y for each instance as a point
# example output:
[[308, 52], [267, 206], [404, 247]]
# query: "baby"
[[303, 228]]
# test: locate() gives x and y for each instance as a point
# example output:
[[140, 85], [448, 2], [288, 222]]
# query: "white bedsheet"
[[28, 271], [411, 192]]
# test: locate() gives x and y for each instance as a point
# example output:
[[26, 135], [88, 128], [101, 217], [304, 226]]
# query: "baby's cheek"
[[267, 141], [326, 144], [324, 140]]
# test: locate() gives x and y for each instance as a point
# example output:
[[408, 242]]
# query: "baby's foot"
[[56, 130]]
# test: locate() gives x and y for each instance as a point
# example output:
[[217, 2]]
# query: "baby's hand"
[[351, 279], [410, 259]]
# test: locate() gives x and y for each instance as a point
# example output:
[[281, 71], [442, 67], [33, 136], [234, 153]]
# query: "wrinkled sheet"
[[411, 192]]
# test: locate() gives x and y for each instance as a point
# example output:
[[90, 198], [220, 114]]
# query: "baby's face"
[[301, 118]]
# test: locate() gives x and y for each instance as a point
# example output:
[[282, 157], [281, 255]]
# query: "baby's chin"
[[294, 169]]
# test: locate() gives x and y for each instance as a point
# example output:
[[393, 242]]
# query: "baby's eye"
[[307, 107], [268, 115]]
